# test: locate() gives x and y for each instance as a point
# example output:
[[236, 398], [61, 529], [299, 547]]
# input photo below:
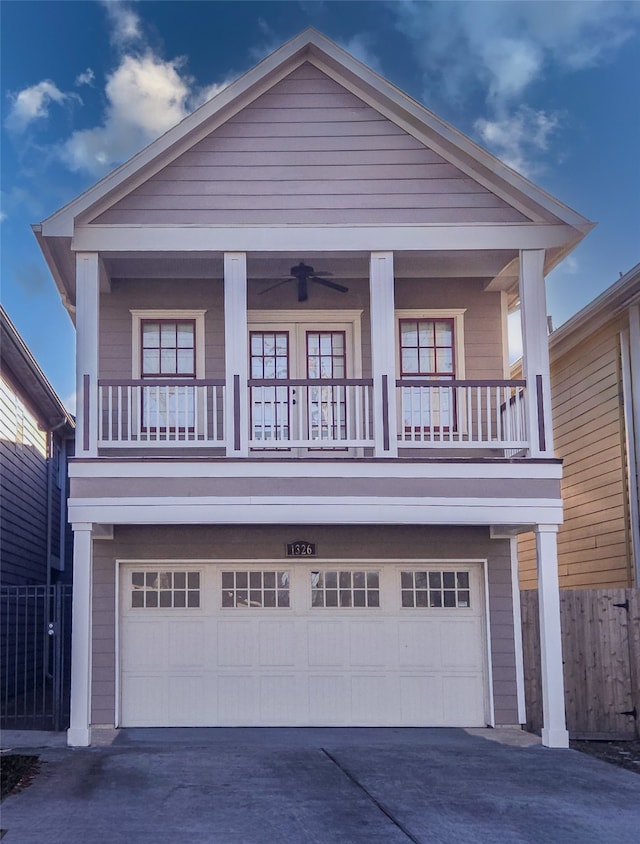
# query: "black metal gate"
[[35, 631]]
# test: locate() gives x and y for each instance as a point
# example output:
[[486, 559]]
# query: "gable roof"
[[311, 46]]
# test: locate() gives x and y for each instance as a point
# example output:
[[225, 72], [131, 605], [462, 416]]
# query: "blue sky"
[[550, 87]]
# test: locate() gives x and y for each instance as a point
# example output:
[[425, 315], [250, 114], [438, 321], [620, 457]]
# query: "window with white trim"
[[255, 589], [165, 589], [447, 589], [345, 588]]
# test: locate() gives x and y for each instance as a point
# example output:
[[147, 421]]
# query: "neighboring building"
[[595, 400], [296, 502], [36, 437]]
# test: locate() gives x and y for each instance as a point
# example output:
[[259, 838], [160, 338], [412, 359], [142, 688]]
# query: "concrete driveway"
[[273, 786]]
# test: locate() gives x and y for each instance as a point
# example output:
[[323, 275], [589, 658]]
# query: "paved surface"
[[273, 786]]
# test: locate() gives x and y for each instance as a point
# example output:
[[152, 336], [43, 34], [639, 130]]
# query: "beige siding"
[[482, 319], [379, 542], [308, 151], [592, 543]]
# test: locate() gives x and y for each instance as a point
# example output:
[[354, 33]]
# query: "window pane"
[[345, 579], [242, 579], [374, 598], [179, 580], [150, 362], [137, 599], [255, 579], [185, 361], [407, 598], [463, 580], [444, 333], [185, 335], [150, 334], [345, 597], [332, 598], [283, 598], [421, 599], [179, 598], [269, 579], [409, 333], [269, 598], [193, 580], [193, 599], [168, 333], [372, 579], [137, 578], [359, 598], [331, 578], [255, 597], [448, 579]]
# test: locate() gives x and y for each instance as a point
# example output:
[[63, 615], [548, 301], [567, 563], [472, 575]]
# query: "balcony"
[[314, 417]]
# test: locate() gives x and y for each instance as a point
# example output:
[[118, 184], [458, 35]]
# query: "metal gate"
[[35, 631]]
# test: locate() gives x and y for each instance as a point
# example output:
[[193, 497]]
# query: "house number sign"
[[301, 549]]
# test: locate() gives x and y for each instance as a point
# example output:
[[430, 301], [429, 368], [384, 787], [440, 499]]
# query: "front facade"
[[301, 463], [595, 400]]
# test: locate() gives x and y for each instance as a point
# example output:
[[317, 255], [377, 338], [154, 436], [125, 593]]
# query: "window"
[[168, 348], [442, 589], [327, 410], [345, 589], [250, 589], [269, 359], [165, 589], [429, 349]]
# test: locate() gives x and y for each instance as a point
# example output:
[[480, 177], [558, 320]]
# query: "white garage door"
[[271, 644]]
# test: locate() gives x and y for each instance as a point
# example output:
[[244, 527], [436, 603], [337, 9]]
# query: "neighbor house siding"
[[336, 542], [586, 394], [309, 151], [23, 491]]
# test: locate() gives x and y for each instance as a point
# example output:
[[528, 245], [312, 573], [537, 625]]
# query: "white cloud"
[[146, 96], [33, 104], [498, 50], [87, 77], [518, 137], [3, 216], [359, 46], [126, 27]]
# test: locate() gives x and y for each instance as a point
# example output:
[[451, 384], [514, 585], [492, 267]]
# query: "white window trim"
[[177, 315], [457, 314]]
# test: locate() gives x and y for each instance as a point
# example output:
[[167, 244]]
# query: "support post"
[[236, 354], [517, 630], [383, 353], [535, 349], [554, 726], [87, 326], [79, 732]]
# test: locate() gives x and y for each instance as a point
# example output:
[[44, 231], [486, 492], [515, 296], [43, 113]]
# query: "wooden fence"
[[601, 654]]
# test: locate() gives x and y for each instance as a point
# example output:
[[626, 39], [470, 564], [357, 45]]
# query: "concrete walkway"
[[348, 786]]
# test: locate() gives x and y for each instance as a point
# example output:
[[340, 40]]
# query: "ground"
[[626, 754], [16, 772]]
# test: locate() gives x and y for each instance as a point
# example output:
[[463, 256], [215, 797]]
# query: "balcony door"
[[299, 415]]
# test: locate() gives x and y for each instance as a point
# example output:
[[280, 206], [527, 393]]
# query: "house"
[[36, 543], [301, 464], [595, 403], [36, 437]]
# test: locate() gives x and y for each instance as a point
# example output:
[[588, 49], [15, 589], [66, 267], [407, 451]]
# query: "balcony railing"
[[313, 414], [160, 413], [467, 414]]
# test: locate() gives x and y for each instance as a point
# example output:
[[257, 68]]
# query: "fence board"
[[601, 655]]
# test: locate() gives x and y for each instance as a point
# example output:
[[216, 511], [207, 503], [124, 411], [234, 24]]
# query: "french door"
[[299, 414]]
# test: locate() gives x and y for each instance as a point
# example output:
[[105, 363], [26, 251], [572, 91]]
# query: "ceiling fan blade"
[[273, 286], [332, 284]]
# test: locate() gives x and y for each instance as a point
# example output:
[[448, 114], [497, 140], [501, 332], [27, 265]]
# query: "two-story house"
[[301, 464]]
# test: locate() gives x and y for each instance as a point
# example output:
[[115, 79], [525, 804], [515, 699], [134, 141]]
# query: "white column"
[[236, 354], [535, 351], [79, 732], [87, 325], [383, 353], [517, 630], [554, 729]]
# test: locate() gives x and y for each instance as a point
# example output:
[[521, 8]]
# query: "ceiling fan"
[[303, 273]]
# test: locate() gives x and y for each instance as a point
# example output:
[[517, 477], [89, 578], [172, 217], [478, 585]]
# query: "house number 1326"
[[301, 549]]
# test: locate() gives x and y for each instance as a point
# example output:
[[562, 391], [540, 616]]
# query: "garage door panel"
[[371, 699], [188, 701], [460, 700], [421, 699], [328, 698], [144, 701], [237, 644], [327, 643], [370, 643], [186, 644], [460, 643], [238, 699], [147, 646], [419, 643], [277, 643], [278, 695]]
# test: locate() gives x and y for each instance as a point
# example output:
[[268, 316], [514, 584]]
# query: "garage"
[[291, 643]]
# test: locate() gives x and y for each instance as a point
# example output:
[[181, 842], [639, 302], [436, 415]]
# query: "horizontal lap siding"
[[592, 543], [338, 542], [309, 152]]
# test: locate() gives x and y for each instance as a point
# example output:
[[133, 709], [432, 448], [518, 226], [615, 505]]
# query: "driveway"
[[273, 786]]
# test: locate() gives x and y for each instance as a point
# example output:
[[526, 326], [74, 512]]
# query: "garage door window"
[[251, 589], [448, 589], [165, 589], [345, 589]]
